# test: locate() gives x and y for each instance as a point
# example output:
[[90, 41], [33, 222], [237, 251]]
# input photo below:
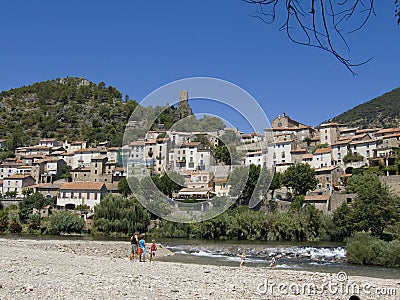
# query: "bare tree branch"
[[321, 23]]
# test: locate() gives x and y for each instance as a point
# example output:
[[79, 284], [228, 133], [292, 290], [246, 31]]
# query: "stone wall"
[[338, 198], [393, 181]]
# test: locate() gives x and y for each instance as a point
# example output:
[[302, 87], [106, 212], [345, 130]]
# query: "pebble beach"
[[71, 269]]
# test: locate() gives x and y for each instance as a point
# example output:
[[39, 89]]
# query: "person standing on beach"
[[243, 258], [134, 245], [153, 249], [142, 246]]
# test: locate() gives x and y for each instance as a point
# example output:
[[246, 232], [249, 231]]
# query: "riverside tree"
[[375, 206], [301, 178]]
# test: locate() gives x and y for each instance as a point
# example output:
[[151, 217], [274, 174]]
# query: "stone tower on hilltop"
[[183, 108]]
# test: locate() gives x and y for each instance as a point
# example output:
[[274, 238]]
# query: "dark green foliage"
[[172, 230], [124, 188], [66, 222], [66, 172], [169, 182], [34, 222], [26, 206], [297, 203], [350, 157], [383, 111], [222, 155], [343, 218], [120, 214], [301, 178], [243, 180], [242, 223], [276, 183], [365, 249], [375, 207], [3, 220], [15, 225]]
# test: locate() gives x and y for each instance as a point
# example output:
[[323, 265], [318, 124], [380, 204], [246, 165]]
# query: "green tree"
[[124, 188], [243, 181], [15, 225], [276, 183], [36, 200], [375, 207], [66, 222], [301, 178], [169, 182], [343, 218], [121, 215], [3, 220]]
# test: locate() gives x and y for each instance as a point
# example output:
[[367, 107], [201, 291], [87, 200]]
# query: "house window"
[[283, 154], [87, 195], [64, 195], [80, 195], [72, 194], [95, 196]]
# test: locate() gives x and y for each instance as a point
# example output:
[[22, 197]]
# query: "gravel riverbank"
[[69, 269]]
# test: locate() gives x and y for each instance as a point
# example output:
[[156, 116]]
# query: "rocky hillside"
[[383, 111]]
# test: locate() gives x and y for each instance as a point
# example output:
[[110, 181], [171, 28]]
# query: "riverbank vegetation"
[[370, 224]]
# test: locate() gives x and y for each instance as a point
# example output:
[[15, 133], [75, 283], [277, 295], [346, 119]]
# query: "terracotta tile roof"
[[113, 149], [388, 130], [112, 186], [307, 156], [326, 169], [137, 143], [30, 156], [82, 186], [369, 130], [317, 198], [394, 135], [322, 151], [78, 143], [18, 176], [89, 150]]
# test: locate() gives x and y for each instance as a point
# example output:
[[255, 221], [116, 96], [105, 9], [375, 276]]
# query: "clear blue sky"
[[137, 46]]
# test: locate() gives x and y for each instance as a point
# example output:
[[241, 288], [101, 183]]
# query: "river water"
[[313, 257]]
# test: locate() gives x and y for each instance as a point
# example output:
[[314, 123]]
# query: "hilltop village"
[[76, 174]]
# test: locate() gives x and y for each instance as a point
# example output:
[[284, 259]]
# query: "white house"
[[257, 158], [73, 194], [83, 157], [322, 157], [279, 152], [17, 183]]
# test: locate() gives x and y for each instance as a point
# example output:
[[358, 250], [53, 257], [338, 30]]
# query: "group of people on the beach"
[[243, 258], [138, 248]]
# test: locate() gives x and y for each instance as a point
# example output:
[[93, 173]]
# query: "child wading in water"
[[153, 249], [243, 258]]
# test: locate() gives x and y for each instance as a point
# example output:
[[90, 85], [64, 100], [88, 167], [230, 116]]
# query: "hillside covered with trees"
[[383, 111], [69, 108]]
